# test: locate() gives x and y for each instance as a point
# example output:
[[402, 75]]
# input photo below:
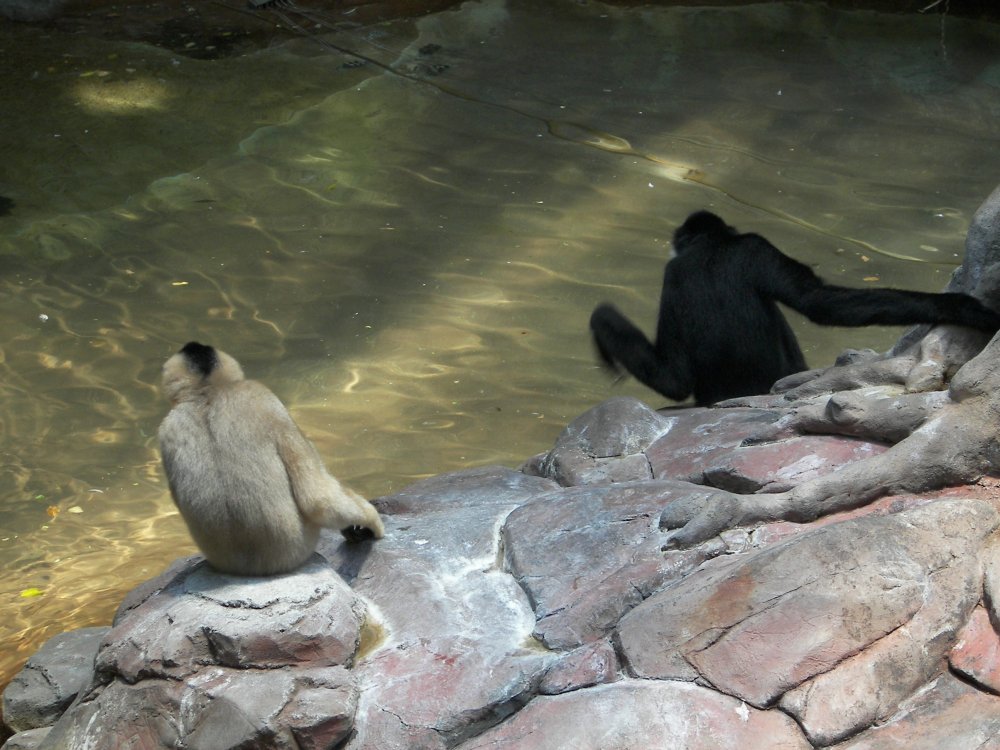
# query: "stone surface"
[[605, 444], [821, 613], [457, 654], [579, 596], [946, 715], [30, 739], [207, 660], [204, 617], [639, 714], [50, 679], [977, 653], [593, 664], [216, 707], [504, 610]]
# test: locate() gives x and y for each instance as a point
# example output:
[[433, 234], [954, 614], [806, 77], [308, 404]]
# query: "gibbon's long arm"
[[621, 344], [720, 333], [318, 495], [795, 285]]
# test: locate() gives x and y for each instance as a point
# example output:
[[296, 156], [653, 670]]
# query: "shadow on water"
[[409, 259]]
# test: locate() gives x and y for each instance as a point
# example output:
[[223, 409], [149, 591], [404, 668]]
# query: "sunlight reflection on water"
[[411, 270]]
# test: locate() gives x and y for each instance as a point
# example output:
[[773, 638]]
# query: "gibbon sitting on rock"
[[250, 486]]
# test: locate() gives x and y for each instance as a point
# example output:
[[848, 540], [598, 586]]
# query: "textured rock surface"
[[209, 660], [508, 610], [51, 678]]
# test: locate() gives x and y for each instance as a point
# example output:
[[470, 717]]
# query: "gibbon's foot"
[[695, 519], [354, 534], [699, 517]]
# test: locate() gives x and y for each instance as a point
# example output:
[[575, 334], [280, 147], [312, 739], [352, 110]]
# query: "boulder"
[[207, 660], [505, 610], [637, 714], [51, 679]]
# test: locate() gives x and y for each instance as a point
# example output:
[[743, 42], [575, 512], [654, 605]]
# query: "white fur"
[[250, 486]]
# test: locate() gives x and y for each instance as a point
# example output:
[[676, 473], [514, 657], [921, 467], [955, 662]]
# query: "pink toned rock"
[[777, 467], [772, 533], [579, 596], [593, 664], [821, 609], [946, 715], [634, 714], [977, 653], [869, 687], [697, 437]]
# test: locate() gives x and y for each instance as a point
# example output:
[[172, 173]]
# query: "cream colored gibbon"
[[250, 486]]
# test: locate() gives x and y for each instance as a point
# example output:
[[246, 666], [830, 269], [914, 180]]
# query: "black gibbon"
[[251, 488], [720, 334]]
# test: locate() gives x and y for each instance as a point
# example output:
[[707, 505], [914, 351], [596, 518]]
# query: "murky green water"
[[409, 265]]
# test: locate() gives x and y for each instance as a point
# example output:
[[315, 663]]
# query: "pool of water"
[[407, 248]]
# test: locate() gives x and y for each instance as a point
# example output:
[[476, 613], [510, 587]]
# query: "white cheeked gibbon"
[[251, 488]]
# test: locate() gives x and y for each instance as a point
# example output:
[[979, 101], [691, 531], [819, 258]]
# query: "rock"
[[977, 653], [216, 707], [578, 596], [946, 714], [27, 740], [208, 660], [457, 655], [638, 714], [503, 610], [605, 444], [593, 664], [821, 620], [204, 617], [776, 467], [51, 679], [701, 440], [982, 246]]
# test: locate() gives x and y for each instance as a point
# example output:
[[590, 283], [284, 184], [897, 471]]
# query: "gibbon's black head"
[[701, 226], [200, 358]]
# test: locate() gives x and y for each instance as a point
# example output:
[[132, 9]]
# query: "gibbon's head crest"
[[196, 370], [701, 227], [202, 359]]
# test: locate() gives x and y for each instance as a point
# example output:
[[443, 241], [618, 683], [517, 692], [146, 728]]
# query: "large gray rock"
[[27, 740], [51, 679], [208, 660], [203, 617], [457, 654], [982, 247], [503, 610], [634, 715], [605, 444], [840, 625], [216, 707], [587, 555]]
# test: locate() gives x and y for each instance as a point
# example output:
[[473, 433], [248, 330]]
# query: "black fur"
[[355, 534], [200, 358], [720, 334]]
